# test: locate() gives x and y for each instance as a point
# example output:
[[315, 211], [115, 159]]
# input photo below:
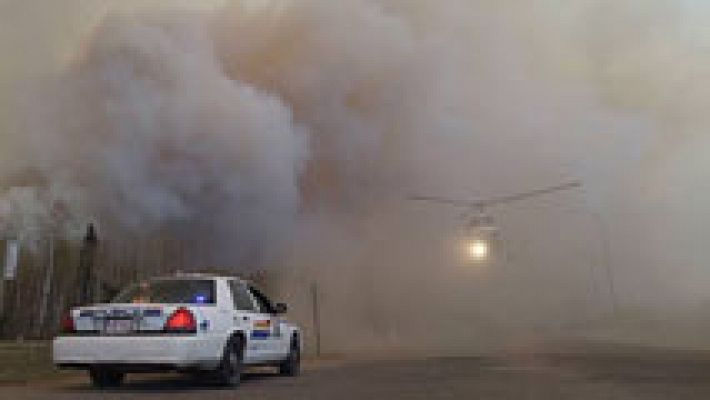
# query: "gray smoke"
[[152, 134], [290, 133]]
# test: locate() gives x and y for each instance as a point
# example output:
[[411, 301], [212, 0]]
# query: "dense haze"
[[289, 134]]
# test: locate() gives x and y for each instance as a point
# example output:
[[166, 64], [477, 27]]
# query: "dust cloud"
[[289, 134]]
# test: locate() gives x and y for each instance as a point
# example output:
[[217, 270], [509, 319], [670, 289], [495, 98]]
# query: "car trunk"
[[126, 319]]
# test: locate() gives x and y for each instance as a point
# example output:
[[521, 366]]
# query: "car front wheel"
[[291, 366]]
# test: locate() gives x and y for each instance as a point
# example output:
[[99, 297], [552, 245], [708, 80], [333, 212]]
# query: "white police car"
[[208, 325]]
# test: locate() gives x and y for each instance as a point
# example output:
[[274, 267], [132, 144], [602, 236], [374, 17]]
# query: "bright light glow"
[[478, 249]]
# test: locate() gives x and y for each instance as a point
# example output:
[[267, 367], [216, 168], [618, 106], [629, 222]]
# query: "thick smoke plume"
[[289, 133]]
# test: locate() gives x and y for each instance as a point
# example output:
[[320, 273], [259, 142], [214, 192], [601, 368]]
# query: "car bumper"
[[159, 352]]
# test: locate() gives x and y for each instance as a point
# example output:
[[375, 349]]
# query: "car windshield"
[[169, 291]]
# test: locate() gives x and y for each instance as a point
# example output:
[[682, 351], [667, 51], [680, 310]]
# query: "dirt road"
[[596, 374]]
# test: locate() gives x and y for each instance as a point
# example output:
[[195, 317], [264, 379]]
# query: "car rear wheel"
[[103, 378], [291, 366], [229, 372]]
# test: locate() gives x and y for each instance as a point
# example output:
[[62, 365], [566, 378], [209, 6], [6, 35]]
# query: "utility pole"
[[51, 230], [86, 265], [9, 271], [2, 288], [605, 243], [316, 316], [46, 289]]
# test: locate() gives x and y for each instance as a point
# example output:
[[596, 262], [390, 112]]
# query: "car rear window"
[[169, 291]]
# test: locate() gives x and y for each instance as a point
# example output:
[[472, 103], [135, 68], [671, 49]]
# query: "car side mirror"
[[280, 308]]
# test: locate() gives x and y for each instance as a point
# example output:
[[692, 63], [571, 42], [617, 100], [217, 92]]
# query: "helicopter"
[[480, 229]]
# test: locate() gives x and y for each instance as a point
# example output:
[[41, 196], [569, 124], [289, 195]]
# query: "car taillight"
[[181, 321], [68, 324]]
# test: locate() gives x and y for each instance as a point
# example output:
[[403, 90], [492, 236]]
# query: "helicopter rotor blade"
[[494, 201], [533, 193], [445, 200]]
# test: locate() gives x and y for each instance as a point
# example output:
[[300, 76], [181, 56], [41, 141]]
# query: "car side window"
[[240, 296], [263, 302]]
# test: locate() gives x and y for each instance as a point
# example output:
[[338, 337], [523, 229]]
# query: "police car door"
[[267, 326], [247, 318]]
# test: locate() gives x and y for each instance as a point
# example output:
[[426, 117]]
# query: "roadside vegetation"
[[21, 362]]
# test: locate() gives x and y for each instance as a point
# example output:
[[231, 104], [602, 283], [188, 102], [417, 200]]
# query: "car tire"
[[291, 366], [105, 378], [229, 372]]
